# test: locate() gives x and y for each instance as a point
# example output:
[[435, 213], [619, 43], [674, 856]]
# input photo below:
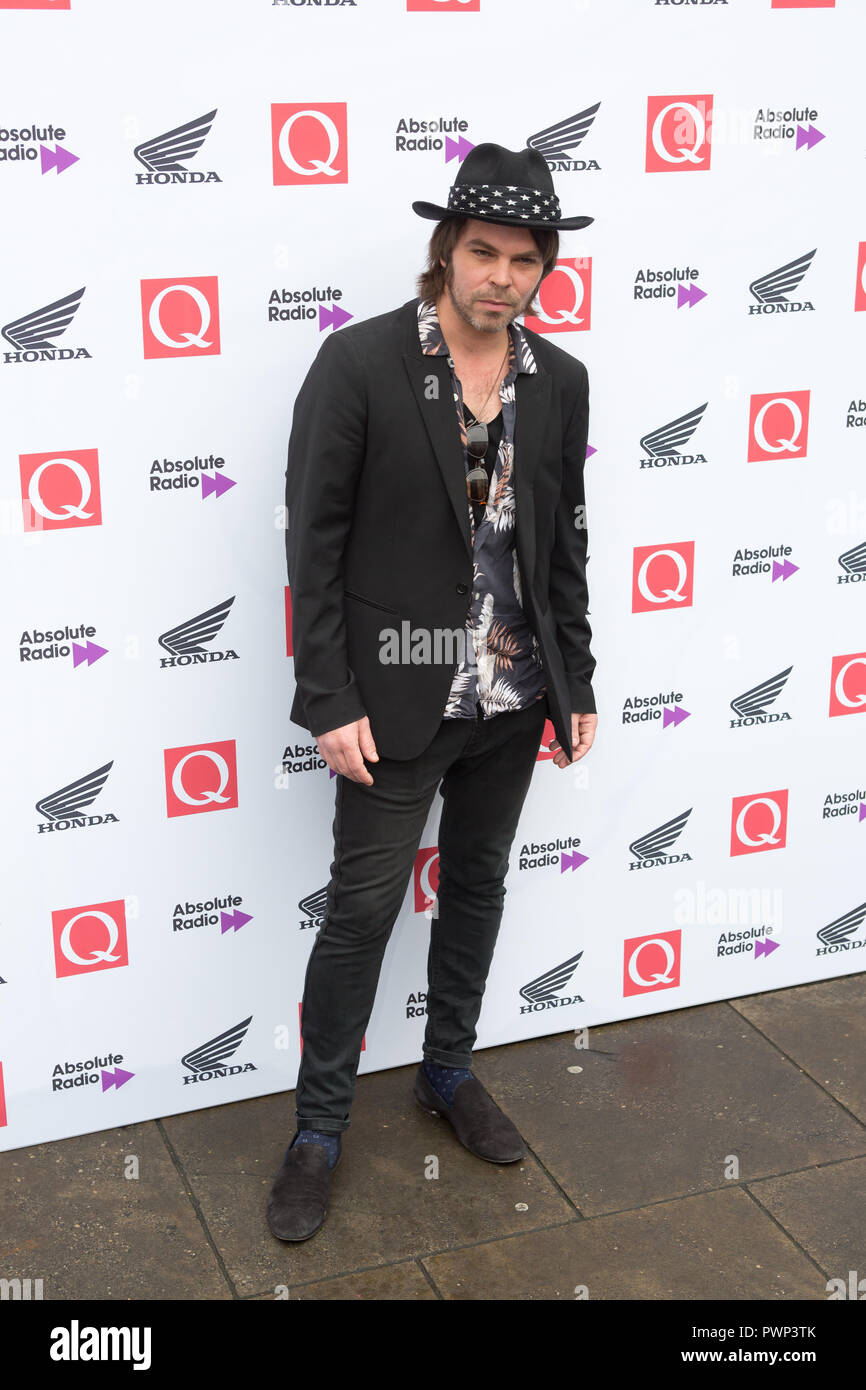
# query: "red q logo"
[[87, 939], [181, 317], [456, 6], [860, 288], [778, 425], [426, 878], [663, 576], [201, 777], [678, 131], [309, 143], [651, 963], [60, 490], [759, 822], [34, 4], [848, 684], [564, 299]]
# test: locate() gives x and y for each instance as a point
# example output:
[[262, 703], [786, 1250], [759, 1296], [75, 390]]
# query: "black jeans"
[[485, 767]]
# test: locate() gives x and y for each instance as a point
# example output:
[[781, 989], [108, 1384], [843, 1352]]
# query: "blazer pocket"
[[371, 603]]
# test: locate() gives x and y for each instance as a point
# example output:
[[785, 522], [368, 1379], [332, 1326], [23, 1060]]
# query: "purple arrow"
[[783, 570], [571, 859], [862, 815], [58, 158], [456, 149], [332, 318], [765, 948], [117, 1078], [674, 716], [808, 137], [590, 451], [331, 773], [216, 483], [234, 919], [89, 653], [690, 296]]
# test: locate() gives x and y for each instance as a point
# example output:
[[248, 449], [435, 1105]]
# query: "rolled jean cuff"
[[447, 1059], [324, 1126]]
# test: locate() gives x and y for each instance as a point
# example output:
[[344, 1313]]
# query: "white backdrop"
[[171, 601]]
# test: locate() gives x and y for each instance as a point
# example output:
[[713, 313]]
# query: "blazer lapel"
[[431, 383], [532, 399]]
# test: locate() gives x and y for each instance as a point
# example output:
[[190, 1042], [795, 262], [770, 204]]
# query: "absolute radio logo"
[[204, 471], [445, 133], [853, 563], [200, 778], [669, 282], [651, 963], [88, 939], [59, 491], [207, 1062], [650, 849], [772, 289], [298, 757], [543, 992], [751, 940], [32, 335], [678, 134], [425, 878], [180, 318], [663, 576], [662, 445], [545, 854], [774, 560], [96, 1071], [856, 417], [416, 1004], [564, 298], [752, 706], [164, 157], [759, 822], [224, 912], [557, 143], [185, 643], [848, 684], [838, 805], [309, 143], [64, 809], [771, 124], [48, 644], [25, 144], [292, 306], [666, 706], [778, 425]]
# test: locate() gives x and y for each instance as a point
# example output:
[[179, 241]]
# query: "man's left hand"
[[583, 727]]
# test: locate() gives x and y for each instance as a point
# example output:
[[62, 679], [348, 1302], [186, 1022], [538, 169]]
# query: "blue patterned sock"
[[445, 1080], [331, 1142]]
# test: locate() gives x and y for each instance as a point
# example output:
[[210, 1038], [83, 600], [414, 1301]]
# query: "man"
[[435, 491]]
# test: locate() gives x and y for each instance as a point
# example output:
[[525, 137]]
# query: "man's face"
[[493, 275]]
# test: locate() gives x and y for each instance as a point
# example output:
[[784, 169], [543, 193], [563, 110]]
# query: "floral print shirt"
[[505, 672]]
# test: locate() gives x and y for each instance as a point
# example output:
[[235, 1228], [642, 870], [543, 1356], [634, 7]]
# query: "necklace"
[[496, 381]]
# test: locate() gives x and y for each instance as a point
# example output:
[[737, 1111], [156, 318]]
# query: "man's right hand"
[[344, 750]]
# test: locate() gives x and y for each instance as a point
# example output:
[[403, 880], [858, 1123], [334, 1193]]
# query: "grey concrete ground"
[[629, 1189]]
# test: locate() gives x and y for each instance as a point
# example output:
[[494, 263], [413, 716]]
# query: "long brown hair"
[[446, 234]]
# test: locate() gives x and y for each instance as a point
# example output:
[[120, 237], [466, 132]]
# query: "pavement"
[[716, 1152]]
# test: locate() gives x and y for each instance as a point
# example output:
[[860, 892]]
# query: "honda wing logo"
[[772, 290], [208, 1060], [32, 334], [835, 935], [751, 706], [541, 992], [853, 562], [63, 808], [314, 906], [186, 641], [664, 443], [557, 141], [167, 153], [651, 848]]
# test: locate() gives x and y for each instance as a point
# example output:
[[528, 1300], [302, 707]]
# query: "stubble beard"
[[487, 321]]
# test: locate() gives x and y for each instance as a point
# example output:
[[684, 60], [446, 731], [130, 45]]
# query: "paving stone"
[[392, 1283], [72, 1219], [382, 1207], [822, 1027], [823, 1210], [661, 1104], [718, 1245]]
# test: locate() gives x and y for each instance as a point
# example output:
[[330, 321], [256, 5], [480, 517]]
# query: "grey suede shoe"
[[298, 1202], [479, 1124]]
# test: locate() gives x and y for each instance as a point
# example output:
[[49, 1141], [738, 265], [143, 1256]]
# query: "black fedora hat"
[[510, 187]]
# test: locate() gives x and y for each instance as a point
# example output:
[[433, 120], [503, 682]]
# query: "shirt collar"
[[433, 342]]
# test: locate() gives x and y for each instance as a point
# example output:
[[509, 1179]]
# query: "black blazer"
[[378, 529]]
